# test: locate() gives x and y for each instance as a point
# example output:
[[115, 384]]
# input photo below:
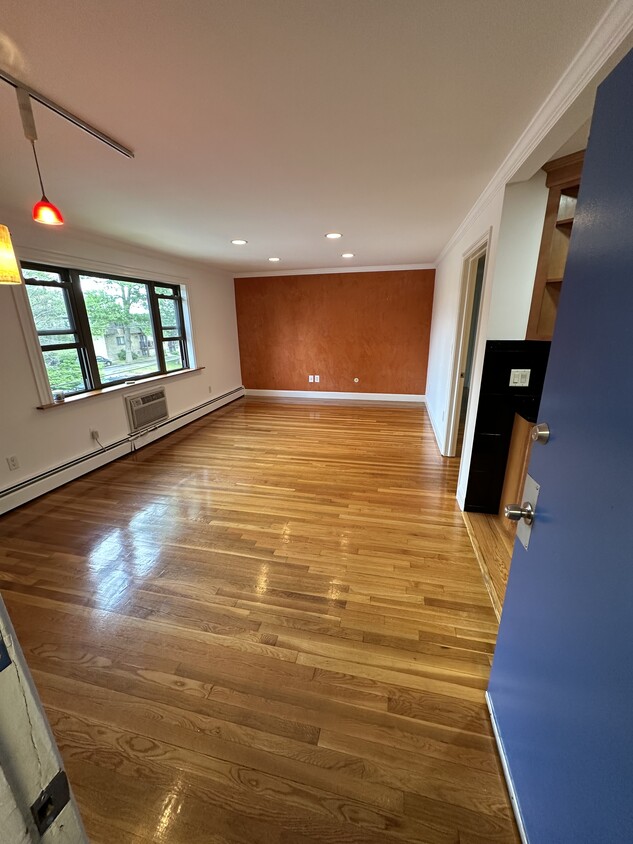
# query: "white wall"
[[514, 220], [44, 439], [444, 323], [520, 235]]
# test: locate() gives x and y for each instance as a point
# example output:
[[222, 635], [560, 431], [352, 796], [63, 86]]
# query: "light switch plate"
[[520, 377]]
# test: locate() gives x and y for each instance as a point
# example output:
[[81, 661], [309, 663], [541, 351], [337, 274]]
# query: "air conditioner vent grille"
[[146, 409]]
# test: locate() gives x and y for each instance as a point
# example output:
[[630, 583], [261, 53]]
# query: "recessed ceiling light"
[[274, 260], [347, 255], [334, 235], [239, 242]]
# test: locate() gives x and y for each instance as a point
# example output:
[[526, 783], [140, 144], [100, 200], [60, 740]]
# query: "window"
[[96, 331]]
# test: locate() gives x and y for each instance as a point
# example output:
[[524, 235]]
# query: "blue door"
[[561, 689]]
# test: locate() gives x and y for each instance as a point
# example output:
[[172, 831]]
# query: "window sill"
[[118, 388]]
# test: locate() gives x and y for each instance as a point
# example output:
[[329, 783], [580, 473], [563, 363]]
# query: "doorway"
[[472, 289]]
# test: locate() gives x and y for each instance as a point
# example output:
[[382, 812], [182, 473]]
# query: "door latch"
[[516, 512], [51, 801], [541, 433], [524, 514]]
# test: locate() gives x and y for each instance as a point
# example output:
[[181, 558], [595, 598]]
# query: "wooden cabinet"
[[563, 181]]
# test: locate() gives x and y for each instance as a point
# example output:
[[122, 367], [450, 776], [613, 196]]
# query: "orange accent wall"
[[372, 326]]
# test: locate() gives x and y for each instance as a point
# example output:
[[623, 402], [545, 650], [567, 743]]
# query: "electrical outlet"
[[94, 434], [317, 378], [310, 378], [13, 463]]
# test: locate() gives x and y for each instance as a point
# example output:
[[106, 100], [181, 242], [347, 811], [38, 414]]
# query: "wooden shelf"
[[130, 385], [563, 181]]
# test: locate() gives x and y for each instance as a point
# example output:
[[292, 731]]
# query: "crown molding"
[[339, 270], [610, 32], [34, 245], [67, 259]]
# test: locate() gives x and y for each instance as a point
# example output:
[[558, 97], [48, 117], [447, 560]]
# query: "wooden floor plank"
[[266, 628]]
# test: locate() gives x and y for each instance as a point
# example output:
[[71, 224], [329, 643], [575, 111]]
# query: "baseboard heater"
[[112, 446]]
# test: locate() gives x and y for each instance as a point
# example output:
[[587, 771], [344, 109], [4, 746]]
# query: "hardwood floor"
[[493, 547], [267, 628]]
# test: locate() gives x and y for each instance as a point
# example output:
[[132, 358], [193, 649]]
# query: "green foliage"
[[111, 303], [103, 311], [118, 303], [64, 371], [48, 305]]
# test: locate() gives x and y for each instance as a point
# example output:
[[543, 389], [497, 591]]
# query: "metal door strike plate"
[[530, 494]]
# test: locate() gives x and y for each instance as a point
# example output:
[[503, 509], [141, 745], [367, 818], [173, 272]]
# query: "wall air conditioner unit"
[[146, 409]]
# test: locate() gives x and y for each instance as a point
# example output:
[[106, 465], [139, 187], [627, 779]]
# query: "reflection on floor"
[[269, 627]]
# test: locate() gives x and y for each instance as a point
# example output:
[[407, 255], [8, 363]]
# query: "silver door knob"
[[540, 433], [516, 512]]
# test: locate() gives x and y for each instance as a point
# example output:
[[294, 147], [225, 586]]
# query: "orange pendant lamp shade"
[[47, 213]]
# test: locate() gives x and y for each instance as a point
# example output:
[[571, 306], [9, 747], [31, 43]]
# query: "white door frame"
[[36, 802], [467, 294]]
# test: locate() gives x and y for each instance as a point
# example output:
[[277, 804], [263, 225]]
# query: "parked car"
[[104, 361]]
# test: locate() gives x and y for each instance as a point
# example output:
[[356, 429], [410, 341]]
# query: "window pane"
[[165, 291], [121, 328], [64, 370], [41, 275], [48, 305], [168, 312], [173, 355], [171, 332], [55, 339]]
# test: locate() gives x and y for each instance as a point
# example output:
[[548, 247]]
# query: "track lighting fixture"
[[43, 211]]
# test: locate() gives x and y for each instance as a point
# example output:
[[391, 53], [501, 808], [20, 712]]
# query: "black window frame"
[[70, 282]]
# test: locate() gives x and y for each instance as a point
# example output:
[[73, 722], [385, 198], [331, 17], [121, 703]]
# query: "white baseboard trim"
[[460, 495], [32, 488], [506, 772], [324, 394], [435, 431]]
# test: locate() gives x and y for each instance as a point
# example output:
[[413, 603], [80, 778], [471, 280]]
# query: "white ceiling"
[[279, 120]]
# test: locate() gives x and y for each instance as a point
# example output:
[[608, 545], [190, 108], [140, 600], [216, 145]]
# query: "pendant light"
[[9, 270], [43, 211]]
